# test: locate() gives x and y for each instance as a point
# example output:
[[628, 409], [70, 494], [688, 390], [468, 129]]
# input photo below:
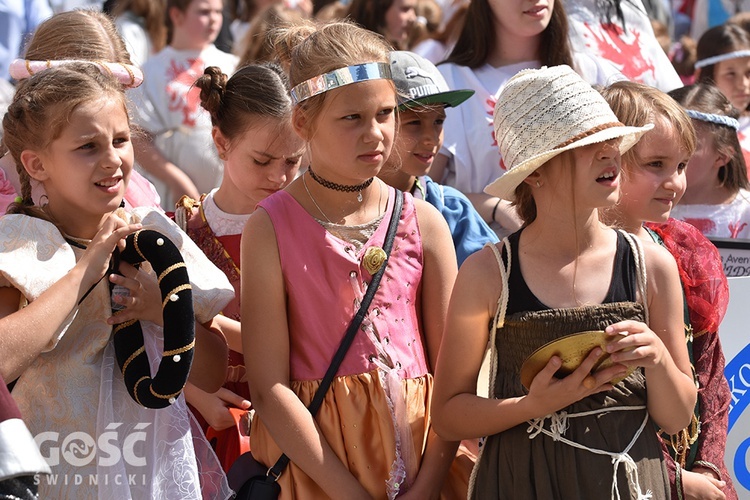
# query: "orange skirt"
[[356, 421]]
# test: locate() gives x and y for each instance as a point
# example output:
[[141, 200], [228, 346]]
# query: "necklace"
[[341, 187], [304, 183], [81, 243]]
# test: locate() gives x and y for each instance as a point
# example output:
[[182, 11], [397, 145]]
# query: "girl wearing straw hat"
[[585, 434]]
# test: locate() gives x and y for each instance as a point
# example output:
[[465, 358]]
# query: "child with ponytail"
[[310, 256]]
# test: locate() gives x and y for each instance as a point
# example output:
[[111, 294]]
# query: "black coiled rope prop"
[[162, 389]]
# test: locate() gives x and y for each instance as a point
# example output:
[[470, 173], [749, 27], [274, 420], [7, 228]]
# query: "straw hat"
[[541, 113]]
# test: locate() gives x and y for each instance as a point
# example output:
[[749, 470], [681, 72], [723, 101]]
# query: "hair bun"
[[213, 84]]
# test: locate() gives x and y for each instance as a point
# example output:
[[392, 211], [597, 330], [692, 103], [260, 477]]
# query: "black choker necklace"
[[341, 187]]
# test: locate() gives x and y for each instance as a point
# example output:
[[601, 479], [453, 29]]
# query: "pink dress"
[[375, 415]]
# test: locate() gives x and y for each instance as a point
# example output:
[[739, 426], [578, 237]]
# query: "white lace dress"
[[98, 442]]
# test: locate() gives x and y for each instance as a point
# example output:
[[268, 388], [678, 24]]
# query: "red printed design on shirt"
[[490, 102], [623, 49], [735, 228], [183, 95], [705, 226]]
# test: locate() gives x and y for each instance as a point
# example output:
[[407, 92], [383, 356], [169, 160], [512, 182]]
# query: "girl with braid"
[[68, 129], [77, 34]]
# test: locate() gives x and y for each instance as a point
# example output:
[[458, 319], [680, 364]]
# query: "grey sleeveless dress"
[[515, 466]]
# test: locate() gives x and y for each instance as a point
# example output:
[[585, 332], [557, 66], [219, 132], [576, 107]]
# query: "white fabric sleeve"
[[212, 291]]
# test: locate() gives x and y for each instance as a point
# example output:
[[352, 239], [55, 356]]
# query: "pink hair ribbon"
[[126, 74]]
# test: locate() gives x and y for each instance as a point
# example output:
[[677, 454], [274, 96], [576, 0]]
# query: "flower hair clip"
[[126, 74]]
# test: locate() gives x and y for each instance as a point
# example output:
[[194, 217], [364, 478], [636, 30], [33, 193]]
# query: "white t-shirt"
[[469, 131], [743, 134], [721, 221], [168, 106], [634, 50], [474, 158], [432, 50], [133, 32]]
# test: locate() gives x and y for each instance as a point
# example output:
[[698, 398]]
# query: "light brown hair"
[[258, 43], [253, 92], [636, 105], [78, 34], [153, 13], [312, 49], [709, 99], [42, 108]]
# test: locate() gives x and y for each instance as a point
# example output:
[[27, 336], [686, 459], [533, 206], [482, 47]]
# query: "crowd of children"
[[456, 215]]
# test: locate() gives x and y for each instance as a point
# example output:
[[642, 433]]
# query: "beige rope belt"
[[559, 424], [559, 420]]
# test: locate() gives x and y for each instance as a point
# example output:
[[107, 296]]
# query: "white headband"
[[727, 121], [339, 78], [128, 75], [721, 57]]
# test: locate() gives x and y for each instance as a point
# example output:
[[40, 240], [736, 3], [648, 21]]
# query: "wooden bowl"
[[572, 350]]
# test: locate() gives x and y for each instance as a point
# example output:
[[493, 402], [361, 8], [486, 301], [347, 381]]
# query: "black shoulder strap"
[[275, 471]]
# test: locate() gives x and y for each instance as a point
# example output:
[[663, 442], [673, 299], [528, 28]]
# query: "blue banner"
[[737, 372]]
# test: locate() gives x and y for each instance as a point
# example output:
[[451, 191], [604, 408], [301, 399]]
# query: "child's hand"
[[144, 301], [549, 394], [633, 343], [214, 407], [95, 260], [698, 486]]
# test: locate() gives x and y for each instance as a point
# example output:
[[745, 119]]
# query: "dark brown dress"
[[515, 465]]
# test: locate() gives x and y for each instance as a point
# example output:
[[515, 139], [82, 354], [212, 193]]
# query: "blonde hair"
[[153, 13], [257, 45], [636, 105], [41, 109], [311, 49], [78, 34]]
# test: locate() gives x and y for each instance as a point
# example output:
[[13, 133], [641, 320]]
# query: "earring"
[[222, 156], [538, 185]]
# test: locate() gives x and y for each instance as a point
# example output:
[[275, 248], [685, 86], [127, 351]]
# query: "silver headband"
[[721, 57], [727, 121], [339, 78]]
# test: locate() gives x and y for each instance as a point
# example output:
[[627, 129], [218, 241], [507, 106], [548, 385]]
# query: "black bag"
[[259, 486], [248, 477]]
